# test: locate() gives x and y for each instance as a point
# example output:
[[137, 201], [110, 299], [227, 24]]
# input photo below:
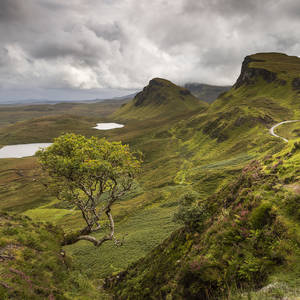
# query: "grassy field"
[[13, 114]]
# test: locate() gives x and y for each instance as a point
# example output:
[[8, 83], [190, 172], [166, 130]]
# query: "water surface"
[[22, 150], [107, 126]]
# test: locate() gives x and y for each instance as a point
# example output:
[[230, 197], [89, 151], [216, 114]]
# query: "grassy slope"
[[250, 239], [33, 266], [166, 175]]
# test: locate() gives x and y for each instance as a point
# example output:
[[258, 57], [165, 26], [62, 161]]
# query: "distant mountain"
[[205, 92], [277, 68], [125, 97], [161, 98], [46, 101], [27, 102]]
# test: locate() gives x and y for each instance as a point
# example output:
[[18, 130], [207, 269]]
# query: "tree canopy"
[[91, 173]]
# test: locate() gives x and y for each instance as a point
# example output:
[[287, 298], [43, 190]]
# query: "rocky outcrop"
[[184, 92], [296, 83], [249, 75], [157, 93], [240, 121], [155, 85]]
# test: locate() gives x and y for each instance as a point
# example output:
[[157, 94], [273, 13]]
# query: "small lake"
[[23, 150], [107, 126]]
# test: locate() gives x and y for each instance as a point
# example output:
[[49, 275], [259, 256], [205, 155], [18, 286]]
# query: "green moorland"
[[12, 114], [44, 129], [249, 238], [205, 150]]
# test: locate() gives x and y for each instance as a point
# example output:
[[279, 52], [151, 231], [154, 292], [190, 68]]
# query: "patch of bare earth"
[[295, 187]]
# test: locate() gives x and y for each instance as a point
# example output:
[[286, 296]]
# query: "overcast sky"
[[86, 49]]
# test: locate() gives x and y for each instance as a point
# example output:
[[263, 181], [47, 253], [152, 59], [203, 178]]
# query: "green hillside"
[[248, 238], [159, 99], [222, 153]]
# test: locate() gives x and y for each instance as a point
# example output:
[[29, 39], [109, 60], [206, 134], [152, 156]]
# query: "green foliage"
[[23, 273], [72, 161], [88, 173], [260, 215], [193, 270], [190, 211]]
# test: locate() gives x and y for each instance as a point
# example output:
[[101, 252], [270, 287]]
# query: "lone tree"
[[92, 174]]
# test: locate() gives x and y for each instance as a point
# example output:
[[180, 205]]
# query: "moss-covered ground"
[[34, 266]]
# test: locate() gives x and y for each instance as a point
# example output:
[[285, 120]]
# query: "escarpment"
[[249, 75]]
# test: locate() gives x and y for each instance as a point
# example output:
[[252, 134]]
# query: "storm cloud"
[[122, 44]]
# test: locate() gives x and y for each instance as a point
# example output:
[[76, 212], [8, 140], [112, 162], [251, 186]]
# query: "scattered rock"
[[184, 92], [240, 121], [296, 83]]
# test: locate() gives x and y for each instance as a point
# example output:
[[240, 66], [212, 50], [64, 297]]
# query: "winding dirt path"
[[274, 126]]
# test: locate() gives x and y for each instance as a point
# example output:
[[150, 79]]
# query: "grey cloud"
[[108, 31], [85, 44], [15, 11], [223, 7]]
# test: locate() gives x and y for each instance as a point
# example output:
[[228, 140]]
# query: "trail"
[[274, 126]]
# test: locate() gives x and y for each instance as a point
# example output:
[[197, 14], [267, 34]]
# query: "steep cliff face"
[[249, 74], [273, 67]]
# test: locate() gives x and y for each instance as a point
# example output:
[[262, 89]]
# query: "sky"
[[87, 49]]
